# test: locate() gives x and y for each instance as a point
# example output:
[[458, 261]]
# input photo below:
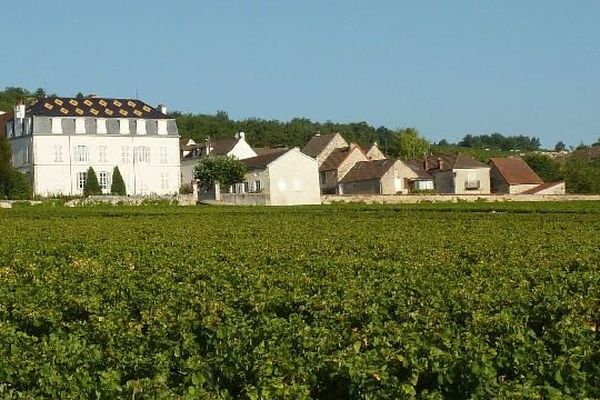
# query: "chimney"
[[440, 163], [242, 135], [20, 110], [162, 108], [425, 163]]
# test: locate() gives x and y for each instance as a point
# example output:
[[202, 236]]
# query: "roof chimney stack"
[[440, 163], [162, 108]]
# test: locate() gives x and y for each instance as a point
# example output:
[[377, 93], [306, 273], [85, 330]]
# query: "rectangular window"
[[163, 155], [58, 153], [141, 154], [81, 178], [257, 187], [102, 154], [164, 180], [125, 154], [104, 180], [81, 153], [246, 187]]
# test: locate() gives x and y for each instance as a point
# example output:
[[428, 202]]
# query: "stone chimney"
[[440, 163], [19, 118], [162, 108]]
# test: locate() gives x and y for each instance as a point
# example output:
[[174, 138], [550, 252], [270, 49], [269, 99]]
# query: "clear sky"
[[447, 68]]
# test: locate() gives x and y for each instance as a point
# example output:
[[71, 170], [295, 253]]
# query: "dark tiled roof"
[[261, 162], [265, 150], [337, 157], [463, 162], [449, 162], [94, 107], [541, 187], [515, 171], [316, 144], [219, 148], [417, 167], [368, 170]]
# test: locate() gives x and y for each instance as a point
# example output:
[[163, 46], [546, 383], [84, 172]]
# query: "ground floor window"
[[104, 180], [164, 180], [81, 179], [257, 187]]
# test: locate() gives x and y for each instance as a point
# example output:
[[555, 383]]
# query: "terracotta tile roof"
[[4, 118], [94, 107], [515, 171], [541, 187], [368, 170], [316, 144], [261, 162]]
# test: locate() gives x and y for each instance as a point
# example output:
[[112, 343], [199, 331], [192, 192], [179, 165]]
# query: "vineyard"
[[346, 301]]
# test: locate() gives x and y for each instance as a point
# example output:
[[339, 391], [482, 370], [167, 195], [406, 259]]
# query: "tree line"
[[579, 171]]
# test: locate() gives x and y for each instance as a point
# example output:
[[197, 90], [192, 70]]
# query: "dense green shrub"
[[91, 187], [117, 186], [18, 186]]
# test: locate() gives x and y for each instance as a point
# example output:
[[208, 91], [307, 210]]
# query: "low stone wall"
[[245, 199], [182, 199], [398, 199]]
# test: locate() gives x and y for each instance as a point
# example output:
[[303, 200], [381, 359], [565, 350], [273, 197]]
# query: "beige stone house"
[[459, 174], [373, 153], [378, 177], [320, 146], [512, 176], [337, 164], [281, 177]]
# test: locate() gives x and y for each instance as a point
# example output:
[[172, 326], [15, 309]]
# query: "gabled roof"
[[541, 187], [417, 167], [515, 171], [261, 162], [368, 170], [265, 150], [218, 148], [94, 107], [338, 156], [316, 144], [463, 162], [450, 162]]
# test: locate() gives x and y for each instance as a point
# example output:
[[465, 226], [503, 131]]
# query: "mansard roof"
[[94, 107]]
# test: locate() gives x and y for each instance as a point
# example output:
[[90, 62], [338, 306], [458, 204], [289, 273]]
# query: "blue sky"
[[447, 68]]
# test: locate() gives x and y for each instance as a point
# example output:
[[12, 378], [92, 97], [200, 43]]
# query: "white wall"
[[294, 179], [56, 176], [242, 150]]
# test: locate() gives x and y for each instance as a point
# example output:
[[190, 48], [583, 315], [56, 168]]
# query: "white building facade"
[[56, 140]]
